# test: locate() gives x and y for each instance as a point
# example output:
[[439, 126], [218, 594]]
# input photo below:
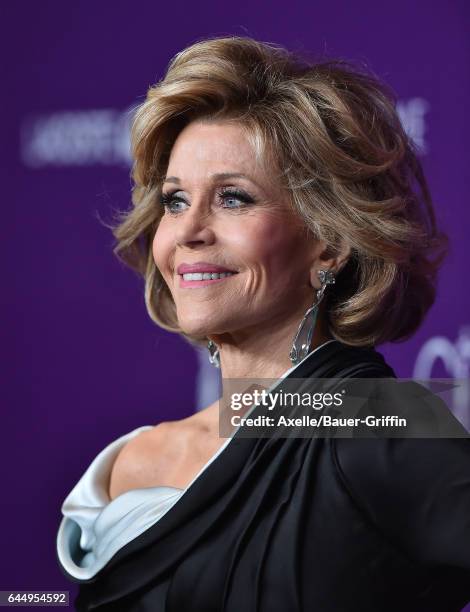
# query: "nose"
[[194, 227]]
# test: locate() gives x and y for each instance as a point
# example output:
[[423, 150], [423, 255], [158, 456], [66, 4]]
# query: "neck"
[[263, 353]]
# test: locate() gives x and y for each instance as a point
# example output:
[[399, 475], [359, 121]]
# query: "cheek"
[[271, 243], [161, 250]]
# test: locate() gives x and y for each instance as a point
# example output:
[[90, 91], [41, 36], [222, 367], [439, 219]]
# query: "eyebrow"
[[218, 176]]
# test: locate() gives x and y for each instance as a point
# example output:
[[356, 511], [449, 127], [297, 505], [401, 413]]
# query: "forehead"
[[203, 148]]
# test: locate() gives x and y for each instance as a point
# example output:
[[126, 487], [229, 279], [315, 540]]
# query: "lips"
[[202, 266]]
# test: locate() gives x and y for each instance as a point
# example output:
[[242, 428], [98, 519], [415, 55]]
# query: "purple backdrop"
[[82, 362]]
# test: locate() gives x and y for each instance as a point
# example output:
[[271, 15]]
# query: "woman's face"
[[223, 209]]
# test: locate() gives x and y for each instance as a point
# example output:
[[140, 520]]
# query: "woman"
[[281, 218]]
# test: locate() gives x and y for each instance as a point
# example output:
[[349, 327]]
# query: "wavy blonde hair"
[[351, 172]]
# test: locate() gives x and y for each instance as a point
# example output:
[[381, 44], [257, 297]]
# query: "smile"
[[202, 279]]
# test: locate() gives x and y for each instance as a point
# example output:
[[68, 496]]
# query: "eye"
[[231, 201], [235, 198], [169, 202]]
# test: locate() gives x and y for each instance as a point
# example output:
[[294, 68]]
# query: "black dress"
[[307, 524]]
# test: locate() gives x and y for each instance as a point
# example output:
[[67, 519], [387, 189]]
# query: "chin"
[[202, 327], [196, 328]]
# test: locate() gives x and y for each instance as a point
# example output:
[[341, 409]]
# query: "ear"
[[328, 258]]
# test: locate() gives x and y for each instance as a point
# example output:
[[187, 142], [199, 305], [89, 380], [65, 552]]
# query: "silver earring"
[[214, 357], [303, 337]]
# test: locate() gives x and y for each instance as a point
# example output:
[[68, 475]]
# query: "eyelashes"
[[227, 194]]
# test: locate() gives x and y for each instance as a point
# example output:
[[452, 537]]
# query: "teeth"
[[195, 276]]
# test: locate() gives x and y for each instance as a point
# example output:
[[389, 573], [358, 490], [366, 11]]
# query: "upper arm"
[[417, 491]]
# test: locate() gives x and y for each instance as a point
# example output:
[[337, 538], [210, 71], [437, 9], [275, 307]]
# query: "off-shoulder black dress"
[[305, 524]]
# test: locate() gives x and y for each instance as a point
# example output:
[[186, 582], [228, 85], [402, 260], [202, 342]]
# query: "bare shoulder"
[[153, 457], [130, 468]]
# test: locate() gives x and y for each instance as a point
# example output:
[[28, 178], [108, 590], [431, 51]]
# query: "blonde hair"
[[352, 173]]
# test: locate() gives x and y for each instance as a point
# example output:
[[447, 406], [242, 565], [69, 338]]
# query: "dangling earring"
[[303, 337], [213, 354]]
